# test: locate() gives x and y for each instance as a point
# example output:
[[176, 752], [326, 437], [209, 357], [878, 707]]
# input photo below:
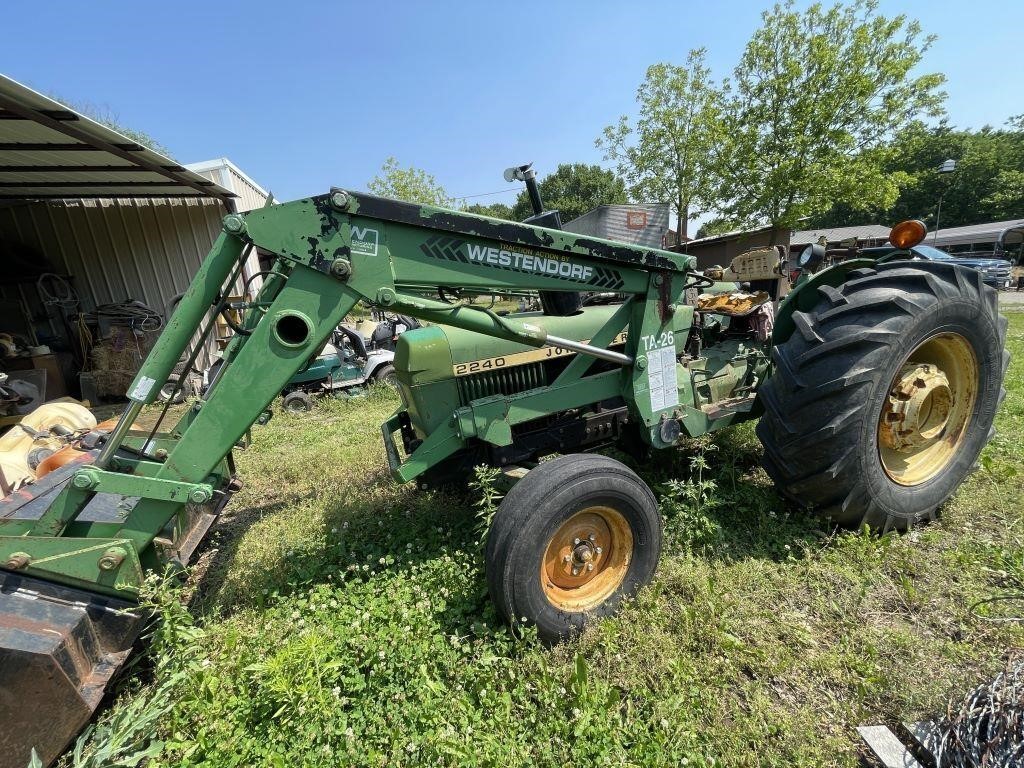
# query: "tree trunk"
[[682, 218]]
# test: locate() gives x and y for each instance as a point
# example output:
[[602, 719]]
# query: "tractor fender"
[[805, 296]]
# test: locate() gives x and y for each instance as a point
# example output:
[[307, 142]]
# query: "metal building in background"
[[1001, 239], [88, 218], [221, 171], [639, 224]]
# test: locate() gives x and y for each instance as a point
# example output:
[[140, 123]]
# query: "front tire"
[[884, 396], [569, 541]]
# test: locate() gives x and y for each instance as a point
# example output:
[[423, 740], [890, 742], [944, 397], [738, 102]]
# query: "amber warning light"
[[907, 234]]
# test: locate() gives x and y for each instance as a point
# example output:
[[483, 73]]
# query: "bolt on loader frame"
[[82, 540]]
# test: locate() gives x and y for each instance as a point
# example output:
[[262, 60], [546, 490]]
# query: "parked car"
[[995, 272]]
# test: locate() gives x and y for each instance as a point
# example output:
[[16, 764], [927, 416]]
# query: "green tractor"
[[875, 383]]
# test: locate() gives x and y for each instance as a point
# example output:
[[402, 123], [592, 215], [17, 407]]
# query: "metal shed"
[[640, 224], [992, 237], [111, 219]]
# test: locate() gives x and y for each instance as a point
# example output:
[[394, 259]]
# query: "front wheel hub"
[[586, 559]]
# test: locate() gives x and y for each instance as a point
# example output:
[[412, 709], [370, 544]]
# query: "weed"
[[489, 496]]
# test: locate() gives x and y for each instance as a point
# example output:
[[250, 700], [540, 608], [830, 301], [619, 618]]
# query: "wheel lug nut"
[[576, 541], [597, 550], [575, 571], [567, 559], [591, 537], [590, 566]]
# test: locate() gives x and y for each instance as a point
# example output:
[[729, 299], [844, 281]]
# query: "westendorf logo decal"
[[526, 262]]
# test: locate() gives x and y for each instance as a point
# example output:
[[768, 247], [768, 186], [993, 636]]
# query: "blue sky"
[[306, 95]]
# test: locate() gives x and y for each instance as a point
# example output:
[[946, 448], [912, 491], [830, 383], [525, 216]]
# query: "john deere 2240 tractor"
[[876, 384]]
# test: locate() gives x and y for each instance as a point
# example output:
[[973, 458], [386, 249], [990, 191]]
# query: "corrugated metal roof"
[[736, 233], [988, 232], [638, 223], [838, 234], [50, 151]]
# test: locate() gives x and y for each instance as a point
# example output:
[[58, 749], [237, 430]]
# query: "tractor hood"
[[440, 368], [439, 352]]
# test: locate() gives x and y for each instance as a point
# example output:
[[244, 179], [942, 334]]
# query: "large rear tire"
[[884, 396], [569, 541]]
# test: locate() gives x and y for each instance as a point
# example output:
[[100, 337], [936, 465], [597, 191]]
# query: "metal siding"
[[248, 194], [138, 248], [609, 222]]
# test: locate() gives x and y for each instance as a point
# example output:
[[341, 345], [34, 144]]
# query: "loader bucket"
[[59, 648]]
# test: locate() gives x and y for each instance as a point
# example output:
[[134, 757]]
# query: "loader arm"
[[331, 252]]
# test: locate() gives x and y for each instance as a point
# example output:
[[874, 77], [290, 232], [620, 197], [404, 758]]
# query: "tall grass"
[[343, 620]]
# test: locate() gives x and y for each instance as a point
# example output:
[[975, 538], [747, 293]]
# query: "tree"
[[1006, 201], [409, 184], [573, 189], [106, 116], [988, 183], [815, 98], [494, 210], [716, 226], [669, 155]]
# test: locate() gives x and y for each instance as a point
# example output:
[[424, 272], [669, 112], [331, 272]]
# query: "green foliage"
[[1006, 200], [688, 504], [717, 226], [494, 210], [988, 184], [343, 620], [128, 737], [811, 105], [668, 156], [484, 484], [410, 184], [573, 189], [105, 116]]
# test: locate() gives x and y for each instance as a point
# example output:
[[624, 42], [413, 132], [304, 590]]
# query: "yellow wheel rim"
[[928, 409], [587, 559]]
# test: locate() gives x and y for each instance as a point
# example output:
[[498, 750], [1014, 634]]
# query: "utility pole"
[[947, 167]]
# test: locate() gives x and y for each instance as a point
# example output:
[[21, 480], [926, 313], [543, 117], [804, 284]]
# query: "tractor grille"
[[501, 381]]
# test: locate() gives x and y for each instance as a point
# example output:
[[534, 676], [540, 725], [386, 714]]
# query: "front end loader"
[[876, 384]]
